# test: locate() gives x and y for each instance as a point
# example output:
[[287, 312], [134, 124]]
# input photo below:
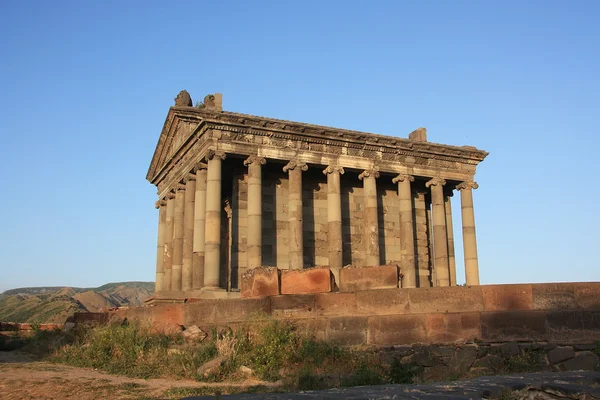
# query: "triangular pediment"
[[176, 131]]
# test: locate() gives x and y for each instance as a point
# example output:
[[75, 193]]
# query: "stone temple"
[[237, 192]]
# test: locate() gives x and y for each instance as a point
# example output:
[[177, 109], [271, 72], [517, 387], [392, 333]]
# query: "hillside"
[[55, 304]]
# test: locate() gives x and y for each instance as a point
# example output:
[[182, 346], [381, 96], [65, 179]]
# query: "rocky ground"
[[23, 378]]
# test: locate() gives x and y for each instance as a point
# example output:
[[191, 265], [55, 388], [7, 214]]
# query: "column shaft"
[[254, 236], [450, 231], [199, 229], [178, 239], [407, 237], [212, 243], [334, 219], [469, 237], [440, 236], [188, 233], [160, 248], [296, 241], [168, 256], [370, 217]]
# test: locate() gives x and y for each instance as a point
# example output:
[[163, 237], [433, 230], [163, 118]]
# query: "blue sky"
[[86, 86]]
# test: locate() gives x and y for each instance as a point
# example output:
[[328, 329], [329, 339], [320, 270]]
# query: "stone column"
[[469, 238], [440, 236], [370, 218], [188, 232], [212, 238], [178, 222], [199, 228], [296, 242], [168, 256], [254, 235], [407, 236], [334, 219], [160, 247], [450, 230]]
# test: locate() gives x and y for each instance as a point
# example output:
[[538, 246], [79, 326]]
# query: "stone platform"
[[555, 312]]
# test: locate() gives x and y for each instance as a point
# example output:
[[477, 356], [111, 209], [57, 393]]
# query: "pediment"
[[176, 131]]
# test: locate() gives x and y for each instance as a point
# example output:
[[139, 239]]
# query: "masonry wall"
[[559, 313], [314, 198]]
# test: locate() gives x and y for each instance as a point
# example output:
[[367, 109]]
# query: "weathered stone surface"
[[573, 325], [560, 354], [348, 330], [193, 333], [463, 358], [382, 302], [584, 360], [397, 329], [507, 297], [209, 311], [335, 303], [261, 281], [587, 295], [453, 327], [293, 306], [312, 280], [509, 349], [553, 296], [445, 299], [354, 279], [513, 326]]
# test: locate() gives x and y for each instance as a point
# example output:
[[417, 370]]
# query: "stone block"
[[347, 331], [560, 354], [396, 329], [584, 361], [445, 299], [310, 280], [587, 295], [382, 302], [507, 297], [571, 326], [552, 296], [215, 311], [312, 327], [503, 326], [366, 278], [258, 282], [165, 314], [453, 327], [293, 306], [335, 303]]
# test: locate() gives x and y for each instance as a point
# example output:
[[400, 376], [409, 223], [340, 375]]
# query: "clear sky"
[[85, 88]]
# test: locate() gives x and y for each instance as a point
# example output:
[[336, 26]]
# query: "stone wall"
[[314, 198], [563, 313]]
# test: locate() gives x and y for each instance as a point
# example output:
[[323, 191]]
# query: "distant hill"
[[55, 304]]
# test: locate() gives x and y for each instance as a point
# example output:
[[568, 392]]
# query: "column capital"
[[160, 203], [255, 159], [435, 182], [180, 187], [467, 185], [189, 177], [293, 164], [216, 153], [334, 168], [367, 173], [403, 178], [198, 167]]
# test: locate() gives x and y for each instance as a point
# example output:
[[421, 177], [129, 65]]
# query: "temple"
[[237, 192]]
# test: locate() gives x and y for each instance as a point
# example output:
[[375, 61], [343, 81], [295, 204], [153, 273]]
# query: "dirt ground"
[[21, 377]]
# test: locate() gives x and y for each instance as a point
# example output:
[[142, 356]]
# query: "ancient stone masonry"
[[240, 193]]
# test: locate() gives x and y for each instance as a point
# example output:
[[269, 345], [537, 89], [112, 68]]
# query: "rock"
[[560, 354], [510, 349], [490, 361], [442, 351], [424, 359], [68, 327], [193, 333], [464, 357], [585, 360], [482, 351], [211, 367], [246, 371]]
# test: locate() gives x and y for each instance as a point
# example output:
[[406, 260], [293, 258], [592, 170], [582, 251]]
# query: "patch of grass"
[[526, 361], [366, 375], [403, 373]]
